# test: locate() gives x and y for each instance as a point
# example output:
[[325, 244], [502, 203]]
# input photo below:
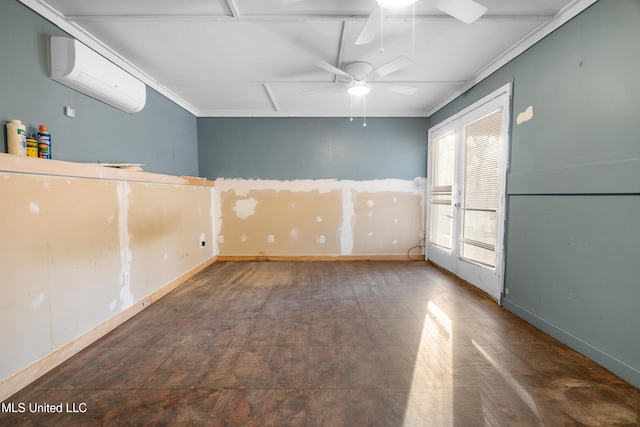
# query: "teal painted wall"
[[163, 136], [573, 269], [312, 148], [573, 218]]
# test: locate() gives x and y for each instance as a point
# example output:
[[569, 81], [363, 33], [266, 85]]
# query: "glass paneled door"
[[465, 192]]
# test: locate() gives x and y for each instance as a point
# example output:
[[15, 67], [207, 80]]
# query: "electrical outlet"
[[127, 278], [220, 238], [321, 240], [271, 238]]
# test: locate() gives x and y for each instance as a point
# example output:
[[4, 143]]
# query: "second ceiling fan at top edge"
[[467, 11]]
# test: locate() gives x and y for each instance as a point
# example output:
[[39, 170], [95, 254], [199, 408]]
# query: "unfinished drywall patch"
[[126, 257], [346, 227], [244, 208], [289, 216], [214, 227], [385, 223], [37, 301], [126, 296], [525, 116], [34, 208], [317, 217], [168, 224]]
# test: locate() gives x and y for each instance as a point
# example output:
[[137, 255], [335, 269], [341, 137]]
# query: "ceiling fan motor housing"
[[359, 69]]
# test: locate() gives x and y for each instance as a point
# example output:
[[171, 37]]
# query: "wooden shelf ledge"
[[36, 166]]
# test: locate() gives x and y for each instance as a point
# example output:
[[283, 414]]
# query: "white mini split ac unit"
[[75, 65]]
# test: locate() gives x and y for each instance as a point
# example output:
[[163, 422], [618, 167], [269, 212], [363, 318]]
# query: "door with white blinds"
[[466, 185]]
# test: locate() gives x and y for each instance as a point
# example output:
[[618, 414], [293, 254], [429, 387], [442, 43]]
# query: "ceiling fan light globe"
[[395, 4], [359, 90]]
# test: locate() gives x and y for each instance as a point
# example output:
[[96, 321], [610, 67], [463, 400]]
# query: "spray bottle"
[[44, 143]]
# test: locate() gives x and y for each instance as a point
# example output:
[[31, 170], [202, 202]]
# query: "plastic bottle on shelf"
[[44, 143], [16, 138], [32, 146]]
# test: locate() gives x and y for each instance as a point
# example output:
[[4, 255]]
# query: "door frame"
[[458, 265]]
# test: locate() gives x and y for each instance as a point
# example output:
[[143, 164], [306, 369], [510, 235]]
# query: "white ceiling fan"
[[360, 77], [467, 11]]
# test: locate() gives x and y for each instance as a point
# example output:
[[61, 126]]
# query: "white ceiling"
[[248, 58]]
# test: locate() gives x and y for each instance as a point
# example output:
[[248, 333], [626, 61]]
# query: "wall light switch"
[[69, 112]]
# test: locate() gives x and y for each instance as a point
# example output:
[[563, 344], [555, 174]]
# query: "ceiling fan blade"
[[330, 68], [390, 67], [226, 8], [467, 11], [401, 89], [371, 27]]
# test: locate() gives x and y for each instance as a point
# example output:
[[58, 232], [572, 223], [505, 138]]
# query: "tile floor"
[[327, 344]]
